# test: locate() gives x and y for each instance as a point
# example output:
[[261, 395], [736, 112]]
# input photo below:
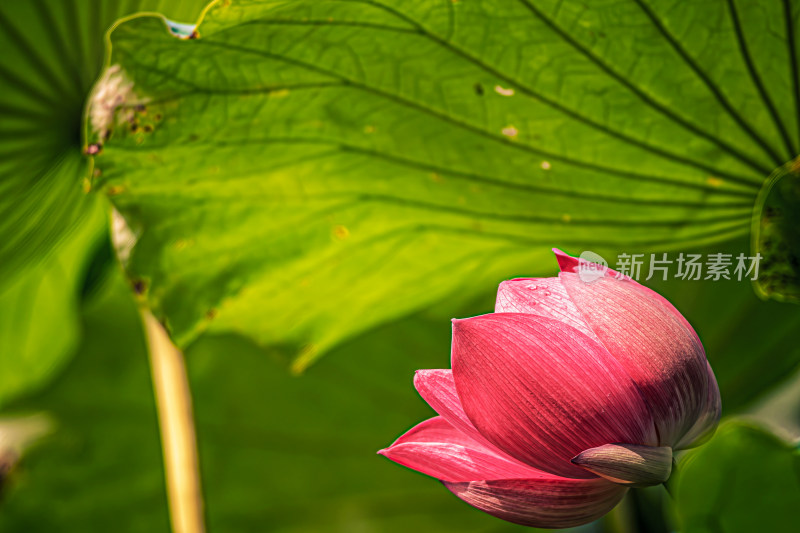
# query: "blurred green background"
[[307, 281]]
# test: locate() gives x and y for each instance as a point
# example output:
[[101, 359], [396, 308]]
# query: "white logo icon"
[[591, 267]]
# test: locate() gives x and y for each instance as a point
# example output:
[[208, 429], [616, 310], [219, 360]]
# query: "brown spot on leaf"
[[341, 232], [139, 286]]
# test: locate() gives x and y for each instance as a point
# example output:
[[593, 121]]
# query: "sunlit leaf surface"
[[300, 171]]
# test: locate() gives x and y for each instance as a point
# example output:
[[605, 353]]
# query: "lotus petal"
[[664, 358], [546, 501], [438, 389], [542, 391], [706, 424], [437, 449], [545, 297]]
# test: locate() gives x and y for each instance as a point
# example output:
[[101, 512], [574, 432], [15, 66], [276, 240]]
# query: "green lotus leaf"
[[301, 171]]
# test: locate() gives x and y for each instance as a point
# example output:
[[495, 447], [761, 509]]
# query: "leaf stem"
[[176, 421]]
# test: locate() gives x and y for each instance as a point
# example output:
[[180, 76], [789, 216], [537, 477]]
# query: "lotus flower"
[[566, 396]]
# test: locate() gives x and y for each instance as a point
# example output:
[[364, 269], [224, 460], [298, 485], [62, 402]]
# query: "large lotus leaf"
[[299, 171], [52, 52], [744, 480]]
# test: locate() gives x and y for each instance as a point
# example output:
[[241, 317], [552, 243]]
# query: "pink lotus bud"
[[567, 395]]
